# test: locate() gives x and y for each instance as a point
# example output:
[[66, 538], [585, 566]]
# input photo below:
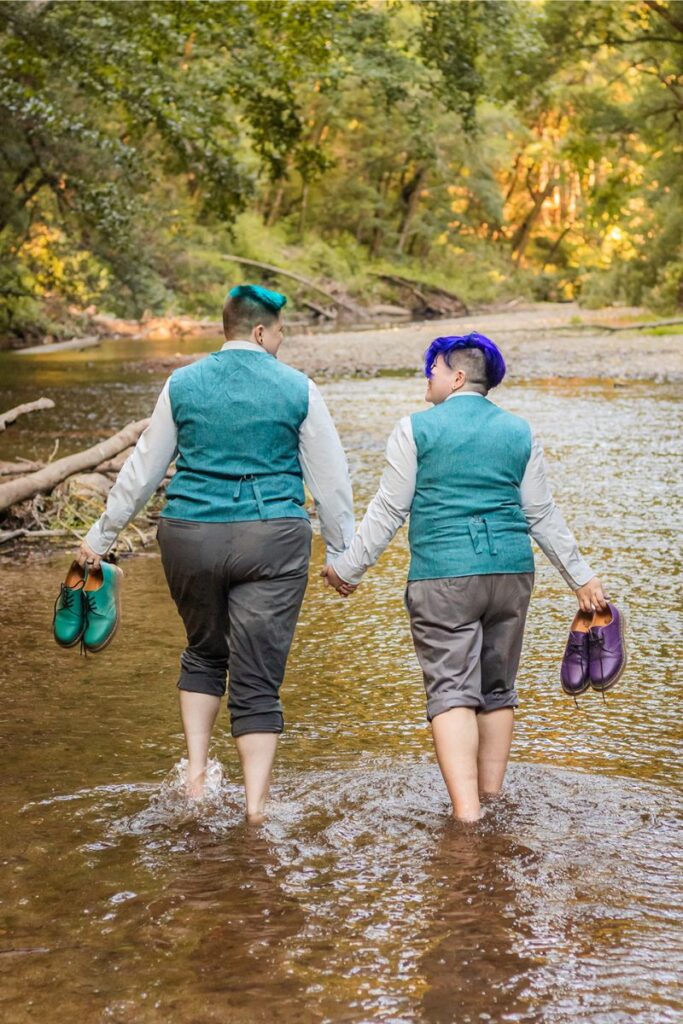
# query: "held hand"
[[333, 580], [591, 596], [87, 557]]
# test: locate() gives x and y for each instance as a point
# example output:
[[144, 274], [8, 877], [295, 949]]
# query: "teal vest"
[[237, 413], [466, 518]]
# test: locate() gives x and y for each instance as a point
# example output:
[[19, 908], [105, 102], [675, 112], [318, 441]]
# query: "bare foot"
[[194, 788]]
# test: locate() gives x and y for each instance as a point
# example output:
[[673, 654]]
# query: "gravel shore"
[[542, 341]]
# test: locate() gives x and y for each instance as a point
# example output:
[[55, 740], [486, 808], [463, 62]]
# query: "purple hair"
[[493, 357]]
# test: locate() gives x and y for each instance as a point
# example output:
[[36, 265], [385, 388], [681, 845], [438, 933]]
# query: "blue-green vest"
[[466, 518], [237, 413]]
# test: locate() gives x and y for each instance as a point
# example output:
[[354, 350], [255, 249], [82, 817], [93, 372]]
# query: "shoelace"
[[66, 596], [598, 640], [90, 607], [575, 645]]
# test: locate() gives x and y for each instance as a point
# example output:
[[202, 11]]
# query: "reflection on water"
[[358, 900]]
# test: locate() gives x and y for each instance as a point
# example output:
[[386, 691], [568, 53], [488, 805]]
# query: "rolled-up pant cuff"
[[492, 702], [266, 721], [200, 682], [438, 707], [496, 701]]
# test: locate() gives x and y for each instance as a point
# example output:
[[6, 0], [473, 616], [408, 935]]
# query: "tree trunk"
[[412, 194], [274, 208], [523, 232]]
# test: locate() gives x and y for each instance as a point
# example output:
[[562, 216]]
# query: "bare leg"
[[198, 712], [495, 739], [257, 753], [456, 739]]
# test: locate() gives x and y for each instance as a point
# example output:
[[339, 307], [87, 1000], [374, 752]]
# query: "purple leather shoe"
[[574, 672], [607, 648]]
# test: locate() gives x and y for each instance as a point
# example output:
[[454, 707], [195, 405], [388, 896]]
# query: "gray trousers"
[[238, 588], [468, 633]]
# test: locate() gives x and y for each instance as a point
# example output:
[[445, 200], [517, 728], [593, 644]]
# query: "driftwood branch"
[[7, 535], [20, 410], [26, 534], [19, 468], [349, 307], [46, 479], [90, 341], [621, 327]]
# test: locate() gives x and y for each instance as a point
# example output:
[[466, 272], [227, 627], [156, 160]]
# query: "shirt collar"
[[465, 394], [250, 346]]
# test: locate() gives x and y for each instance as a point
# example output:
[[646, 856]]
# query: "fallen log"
[[90, 341], [115, 465], [20, 410], [342, 303], [327, 314], [387, 309], [422, 290], [46, 479]]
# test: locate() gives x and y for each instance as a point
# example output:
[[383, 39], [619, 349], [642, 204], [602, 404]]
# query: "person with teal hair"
[[246, 432]]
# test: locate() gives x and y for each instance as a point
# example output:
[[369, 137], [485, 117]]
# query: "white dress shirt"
[[323, 465], [390, 508]]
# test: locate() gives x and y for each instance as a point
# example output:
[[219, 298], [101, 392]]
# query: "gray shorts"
[[238, 588], [468, 633]]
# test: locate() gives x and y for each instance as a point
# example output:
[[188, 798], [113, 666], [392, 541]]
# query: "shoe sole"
[[604, 687], [105, 643]]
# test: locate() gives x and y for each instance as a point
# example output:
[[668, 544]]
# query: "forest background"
[[496, 148]]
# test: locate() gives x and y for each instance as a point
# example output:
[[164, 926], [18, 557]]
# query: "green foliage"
[[490, 145]]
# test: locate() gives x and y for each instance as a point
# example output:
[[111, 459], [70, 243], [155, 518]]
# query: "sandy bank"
[[538, 342]]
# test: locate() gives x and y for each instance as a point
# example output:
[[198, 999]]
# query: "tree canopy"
[[533, 146]]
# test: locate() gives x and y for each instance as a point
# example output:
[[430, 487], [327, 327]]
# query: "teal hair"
[[272, 301]]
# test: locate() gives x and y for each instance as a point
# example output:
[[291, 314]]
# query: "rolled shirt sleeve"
[[547, 524], [326, 474], [140, 475], [388, 510]]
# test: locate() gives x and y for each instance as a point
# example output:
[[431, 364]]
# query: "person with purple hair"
[[472, 479]]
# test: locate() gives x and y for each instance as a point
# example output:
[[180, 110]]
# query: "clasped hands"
[[332, 579]]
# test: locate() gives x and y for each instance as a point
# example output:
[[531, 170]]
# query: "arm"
[[141, 474], [326, 474], [550, 531], [388, 510]]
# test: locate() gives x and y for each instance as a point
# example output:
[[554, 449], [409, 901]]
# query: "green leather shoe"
[[68, 621], [102, 606]]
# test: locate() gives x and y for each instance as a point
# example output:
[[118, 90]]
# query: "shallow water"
[[358, 900]]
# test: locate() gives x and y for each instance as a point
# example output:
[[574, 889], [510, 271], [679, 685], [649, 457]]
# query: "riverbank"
[[540, 341]]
